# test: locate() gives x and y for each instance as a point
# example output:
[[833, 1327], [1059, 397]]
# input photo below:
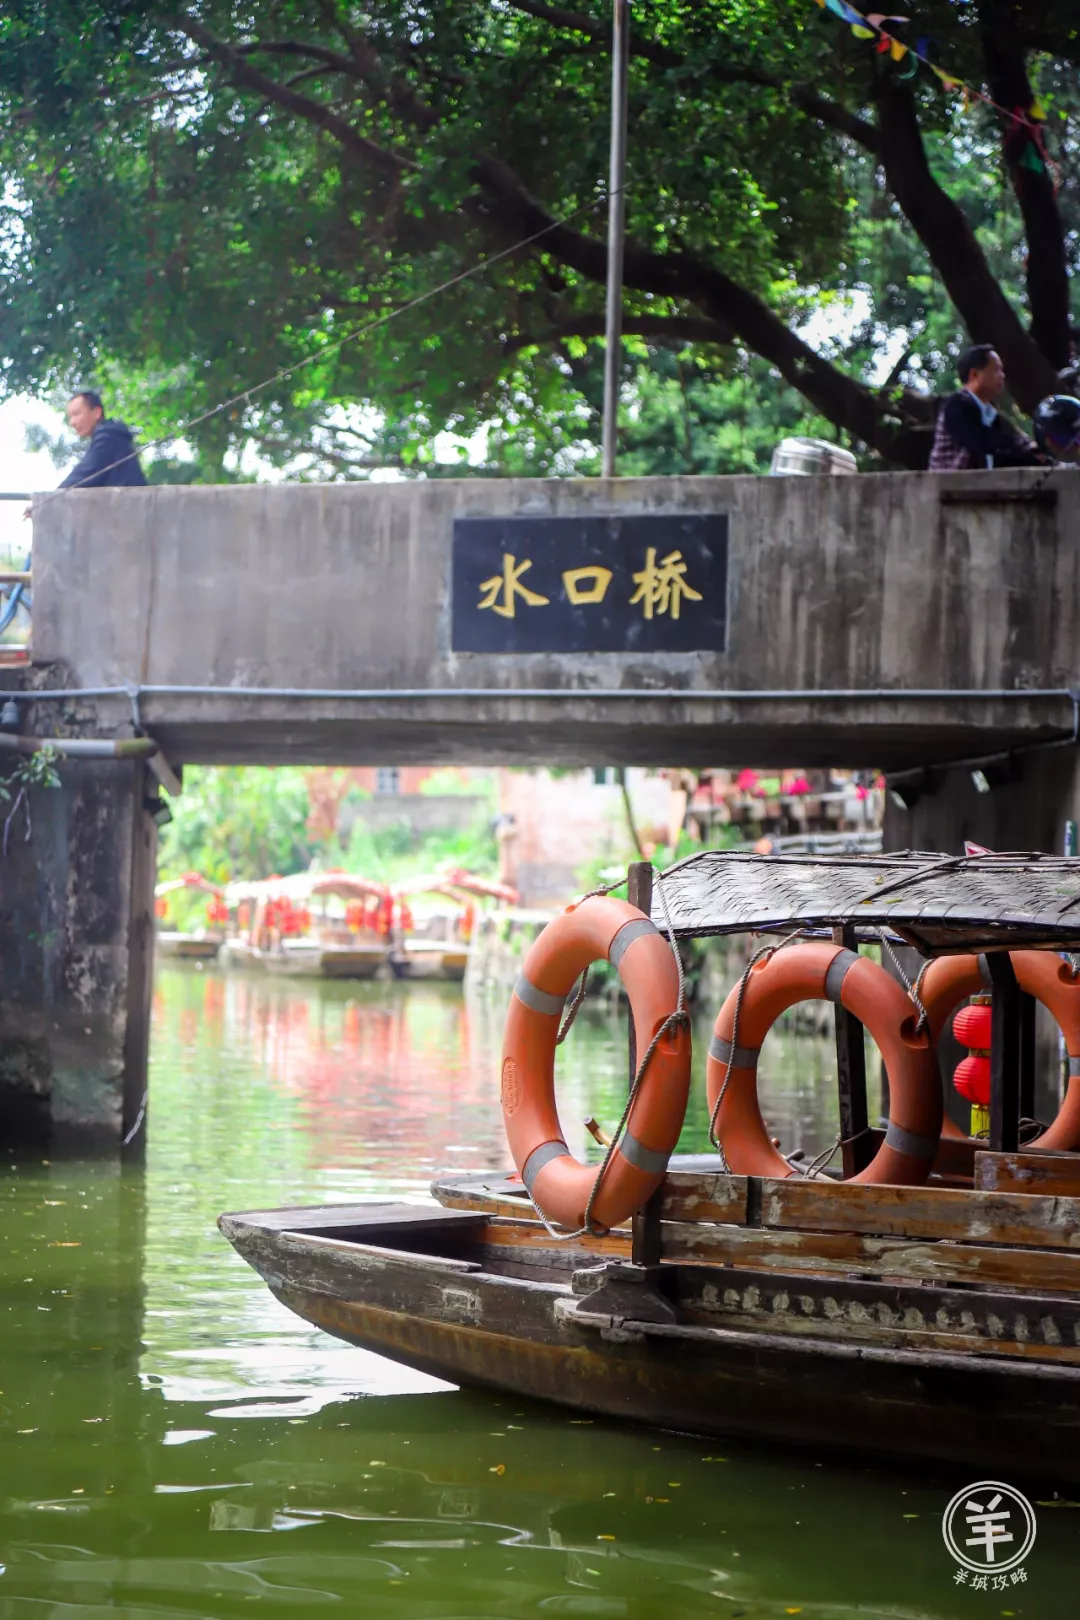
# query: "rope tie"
[[912, 989]]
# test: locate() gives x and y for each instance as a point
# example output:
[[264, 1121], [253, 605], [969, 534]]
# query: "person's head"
[[980, 370], [84, 411]]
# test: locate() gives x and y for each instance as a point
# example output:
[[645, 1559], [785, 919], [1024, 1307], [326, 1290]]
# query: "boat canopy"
[[937, 903], [304, 886], [190, 880], [457, 884]]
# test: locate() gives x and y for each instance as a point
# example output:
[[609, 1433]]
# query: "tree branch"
[[353, 144], [1047, 265], [817, 107], [942, 227], [683, 276]]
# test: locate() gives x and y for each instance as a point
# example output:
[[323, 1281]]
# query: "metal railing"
[[15, 596]]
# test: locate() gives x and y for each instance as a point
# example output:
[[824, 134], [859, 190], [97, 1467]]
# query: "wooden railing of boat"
[[935, 1267]]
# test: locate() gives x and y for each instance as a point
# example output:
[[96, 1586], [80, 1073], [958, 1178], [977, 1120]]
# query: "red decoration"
[[972, 1025], [972, 1079]]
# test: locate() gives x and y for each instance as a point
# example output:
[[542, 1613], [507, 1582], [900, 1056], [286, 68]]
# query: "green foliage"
[[238, 822], [201, 198], [243, 822], [396, 854], [36, 770]]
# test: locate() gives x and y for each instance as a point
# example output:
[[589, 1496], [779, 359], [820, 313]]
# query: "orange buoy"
[[812, 972], [1043, 974], [561, 1187]]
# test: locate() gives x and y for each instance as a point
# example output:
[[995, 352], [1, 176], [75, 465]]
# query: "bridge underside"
[[770, 731]]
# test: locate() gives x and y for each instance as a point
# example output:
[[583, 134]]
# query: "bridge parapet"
[[890, 619]]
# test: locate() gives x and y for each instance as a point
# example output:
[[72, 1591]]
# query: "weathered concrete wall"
[[901, 581], [76, 933]]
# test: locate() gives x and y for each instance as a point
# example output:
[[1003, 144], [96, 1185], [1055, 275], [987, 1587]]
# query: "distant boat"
[[329, 925], [434, 921], [196, 945]]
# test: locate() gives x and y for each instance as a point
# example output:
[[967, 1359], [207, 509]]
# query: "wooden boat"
[[331, 925], [192, 945], [938, 1322], [434, 920]]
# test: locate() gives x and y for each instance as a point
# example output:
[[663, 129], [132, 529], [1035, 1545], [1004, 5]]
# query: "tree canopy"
[[202, 195]]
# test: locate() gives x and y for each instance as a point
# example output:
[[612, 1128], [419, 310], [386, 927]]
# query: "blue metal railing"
[[14, 594]]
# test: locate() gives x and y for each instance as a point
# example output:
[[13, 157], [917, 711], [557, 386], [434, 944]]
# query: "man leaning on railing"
[[111, 460]]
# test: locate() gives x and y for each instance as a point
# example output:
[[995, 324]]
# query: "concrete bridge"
[[895, 620], [905, 621]]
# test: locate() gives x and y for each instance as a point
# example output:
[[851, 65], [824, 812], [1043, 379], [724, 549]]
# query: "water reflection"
[[177, 1444]]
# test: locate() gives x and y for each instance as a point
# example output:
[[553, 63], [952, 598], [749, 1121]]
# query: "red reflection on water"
[[397, 1077]]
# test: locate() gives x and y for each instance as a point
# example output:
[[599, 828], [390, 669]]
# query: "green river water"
[[174, 1443]]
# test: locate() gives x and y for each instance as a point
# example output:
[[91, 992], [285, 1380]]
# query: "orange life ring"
[[949, 980], [561, 1186], [813, 972]]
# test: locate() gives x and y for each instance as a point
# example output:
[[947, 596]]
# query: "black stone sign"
[[590, 584]]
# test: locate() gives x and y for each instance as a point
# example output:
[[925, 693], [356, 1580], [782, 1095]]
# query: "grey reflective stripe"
[[641, 1157], [745, 1056], [917, 1147], [984, 973], [538, 1000], [838, 971], [537, 1160], [626, 936], [1074, 1066]]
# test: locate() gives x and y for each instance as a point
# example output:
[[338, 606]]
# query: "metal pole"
[[620, 61]]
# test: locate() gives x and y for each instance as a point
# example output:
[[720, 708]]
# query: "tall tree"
[[203, 194]]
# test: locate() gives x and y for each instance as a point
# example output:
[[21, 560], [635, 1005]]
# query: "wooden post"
[[639, 887], [1005, 1061], [858, 1146], [1026, 1055], [645, 1242]]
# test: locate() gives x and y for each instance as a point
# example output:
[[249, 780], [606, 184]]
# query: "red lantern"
[[972, 1027], [972, 1079]]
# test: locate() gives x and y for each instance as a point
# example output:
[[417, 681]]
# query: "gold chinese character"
[[579, 591], [662, 588], [509, 584]]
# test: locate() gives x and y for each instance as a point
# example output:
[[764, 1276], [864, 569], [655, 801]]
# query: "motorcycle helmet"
[[1057, 425]]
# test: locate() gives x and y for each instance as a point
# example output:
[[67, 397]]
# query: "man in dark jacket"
[[970, 431], [111, 459]]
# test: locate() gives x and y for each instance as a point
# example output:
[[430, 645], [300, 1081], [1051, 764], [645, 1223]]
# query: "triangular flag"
[[897, 51], [1031, 160], [878, 18], [976, 849], [860, 32], [1037, 111]]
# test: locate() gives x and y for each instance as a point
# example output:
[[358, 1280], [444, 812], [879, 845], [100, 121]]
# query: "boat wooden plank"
[[363, 1218], [1051, 1173], [1023, 1220], [1049, 1271], [852, 1310]]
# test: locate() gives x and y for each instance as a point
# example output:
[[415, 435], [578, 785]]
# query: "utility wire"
[[350, 337]]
